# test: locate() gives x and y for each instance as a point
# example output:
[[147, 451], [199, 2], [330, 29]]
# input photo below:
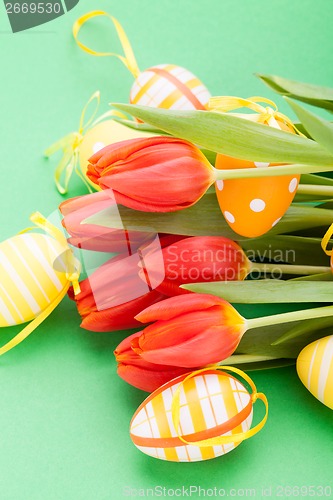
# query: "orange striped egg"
[[315, 369], [169, 86], [28, 280], [212, 404]]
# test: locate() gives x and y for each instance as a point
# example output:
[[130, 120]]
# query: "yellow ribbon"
[[220, 440], [128, 59], [266, 114], [70, 145], [326, 239], [72, 276]]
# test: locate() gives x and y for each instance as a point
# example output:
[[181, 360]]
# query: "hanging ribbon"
[[70, 145], [219, 440], [326, 239], [128, 59], [267, 115], [72, 275]]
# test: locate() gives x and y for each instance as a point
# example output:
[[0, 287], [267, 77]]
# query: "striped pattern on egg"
[[252, 207], [169, 86], [28, 280], [315, 369], [211, 405]]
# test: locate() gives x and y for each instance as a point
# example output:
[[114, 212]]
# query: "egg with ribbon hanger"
[[36, 270], [162, 86], [253, 206], [92, 135], [197, 416]]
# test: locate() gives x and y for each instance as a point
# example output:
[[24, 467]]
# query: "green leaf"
[[301, 329], [267, 291], [259, 341], [316, 277], [321, 97], [265, 365], [204, 219], [285, 249], [316, 180], [234, 136], [321, 130], [142, 127]]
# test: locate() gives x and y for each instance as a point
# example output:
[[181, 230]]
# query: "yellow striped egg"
[[28, 280], [315, 369], [169, 86], [212, 404]]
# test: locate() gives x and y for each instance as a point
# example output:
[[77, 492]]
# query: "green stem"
[[247, 173], [239, 359], [315, 189], [287, 268], [278, 319]]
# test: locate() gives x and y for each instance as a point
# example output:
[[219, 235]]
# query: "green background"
[[64, 413]]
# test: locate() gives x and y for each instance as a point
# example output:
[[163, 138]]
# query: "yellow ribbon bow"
[[225, 439], [326, 239], [266, 114], [73, 267], [70, 145], [128, 59]]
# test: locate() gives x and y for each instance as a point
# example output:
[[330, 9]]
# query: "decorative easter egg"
[[29, 281], [212, 404], [101, 135], [169, 86], [315, 369], [253, 206]]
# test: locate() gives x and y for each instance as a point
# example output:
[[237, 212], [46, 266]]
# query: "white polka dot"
[[257, 205], [220, 184], [98, 146], [293, 185], [260, 164], [276, 222], [230, 218]]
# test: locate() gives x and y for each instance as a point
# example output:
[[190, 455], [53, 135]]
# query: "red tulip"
[[189, 331], [197, 259], [113, 295], [140, 373], [157, 174], [93, 236]]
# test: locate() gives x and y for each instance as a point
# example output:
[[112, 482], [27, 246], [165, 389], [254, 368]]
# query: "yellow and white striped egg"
[[28, 280], [171, 87], [208, 402], [315, 369]]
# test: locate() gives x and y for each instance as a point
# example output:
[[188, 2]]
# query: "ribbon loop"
[[128, 59], [326, 239], [220, 440], [267, 115]]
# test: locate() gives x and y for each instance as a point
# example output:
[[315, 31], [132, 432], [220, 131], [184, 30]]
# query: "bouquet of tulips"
[[182, 251]]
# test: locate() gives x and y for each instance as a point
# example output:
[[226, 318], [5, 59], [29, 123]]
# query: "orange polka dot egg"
[[213, 405], [253, 206], [171, 87]]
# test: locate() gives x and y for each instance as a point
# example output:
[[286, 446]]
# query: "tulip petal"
[[172, 307]]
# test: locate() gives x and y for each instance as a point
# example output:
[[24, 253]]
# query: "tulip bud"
[[93, 236], [113, 295], [140, 373], [189, 331], [195, 260], [157, 174]]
